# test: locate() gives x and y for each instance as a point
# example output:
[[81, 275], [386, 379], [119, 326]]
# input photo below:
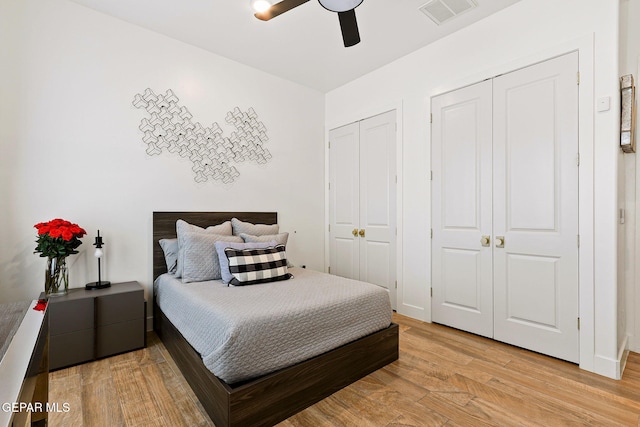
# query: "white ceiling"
[[303, 45]]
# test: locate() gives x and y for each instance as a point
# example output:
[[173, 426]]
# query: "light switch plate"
[[604, 103]]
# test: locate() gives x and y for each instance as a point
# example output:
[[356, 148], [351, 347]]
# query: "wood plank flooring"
[[444, 377]]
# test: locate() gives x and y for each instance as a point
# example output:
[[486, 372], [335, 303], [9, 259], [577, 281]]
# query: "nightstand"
[[86, 324]]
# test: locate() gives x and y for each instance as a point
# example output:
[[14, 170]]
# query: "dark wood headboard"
[[164, 227]]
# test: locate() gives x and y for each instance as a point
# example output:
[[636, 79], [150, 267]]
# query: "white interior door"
[[362, 201], [504, 162], [378, 201], [344, 201], [535, 207], [461, 209]]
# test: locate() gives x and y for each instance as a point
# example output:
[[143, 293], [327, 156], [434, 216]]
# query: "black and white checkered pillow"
[[253, 266]]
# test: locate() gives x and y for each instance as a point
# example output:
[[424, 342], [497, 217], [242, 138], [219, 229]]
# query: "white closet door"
[[344, 201], [535, 207], [461, 215], [378, 201]]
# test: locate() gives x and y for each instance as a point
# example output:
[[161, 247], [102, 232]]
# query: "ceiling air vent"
[[441, 11]]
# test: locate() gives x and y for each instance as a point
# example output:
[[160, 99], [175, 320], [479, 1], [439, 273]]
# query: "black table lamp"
[[98, 254]]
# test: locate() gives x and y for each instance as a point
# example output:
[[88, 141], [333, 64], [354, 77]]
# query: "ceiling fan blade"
[[349, 27], [278, 9]]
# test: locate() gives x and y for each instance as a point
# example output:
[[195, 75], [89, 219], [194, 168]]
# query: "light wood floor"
[[443, 377]]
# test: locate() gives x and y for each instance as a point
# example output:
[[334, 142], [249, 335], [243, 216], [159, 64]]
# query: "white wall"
[[70, 145], [515, 37]]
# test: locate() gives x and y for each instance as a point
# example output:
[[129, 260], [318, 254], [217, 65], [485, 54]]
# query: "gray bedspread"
[[248, 331]]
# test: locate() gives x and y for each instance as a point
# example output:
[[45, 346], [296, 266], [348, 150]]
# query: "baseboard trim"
[[612, 368], [623, 354]]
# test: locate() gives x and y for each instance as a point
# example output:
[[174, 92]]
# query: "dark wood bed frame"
[[272, 398]]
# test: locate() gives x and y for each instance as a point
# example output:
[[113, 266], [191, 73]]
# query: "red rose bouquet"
[[58, 238]]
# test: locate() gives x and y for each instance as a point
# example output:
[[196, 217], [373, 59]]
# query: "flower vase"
[[56, 278]]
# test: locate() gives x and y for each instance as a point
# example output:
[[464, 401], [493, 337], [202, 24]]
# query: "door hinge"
[[329, 143], [396, 284], [431, 292], [578, 240], [431, 176], [432, 233], [329, 228], [396, 179], [578, 159], [329, 269], [396, 231], [430, 117], [578, 78], [578, 323]]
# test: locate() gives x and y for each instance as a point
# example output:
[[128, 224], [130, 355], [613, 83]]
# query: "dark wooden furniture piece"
[[266, 400], [90, 324]]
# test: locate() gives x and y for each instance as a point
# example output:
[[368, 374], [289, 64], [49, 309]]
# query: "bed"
[[272, 397]]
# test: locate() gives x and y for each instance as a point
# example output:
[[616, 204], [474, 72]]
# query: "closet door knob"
[[355, 232], [485, 241], [361, 233], [499, 241]]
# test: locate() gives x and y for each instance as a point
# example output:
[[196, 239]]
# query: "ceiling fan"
[[345, 9]]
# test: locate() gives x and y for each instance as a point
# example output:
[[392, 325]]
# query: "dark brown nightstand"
[[90, 324]]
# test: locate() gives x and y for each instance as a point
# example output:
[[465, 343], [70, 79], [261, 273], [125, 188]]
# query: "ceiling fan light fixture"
[[260, 5], [340, 5]]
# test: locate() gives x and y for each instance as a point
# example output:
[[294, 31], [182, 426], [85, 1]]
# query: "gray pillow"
[[223, 229], [224, 261], [182, 227], [240, 227], [170, 249], [281, 239], [198, 256]]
